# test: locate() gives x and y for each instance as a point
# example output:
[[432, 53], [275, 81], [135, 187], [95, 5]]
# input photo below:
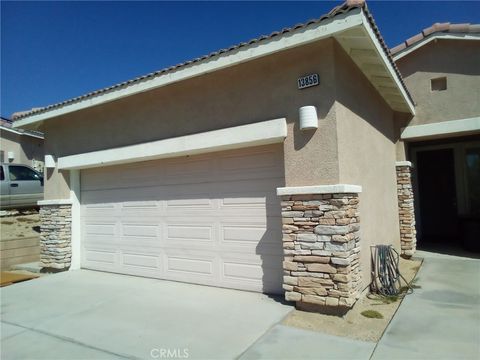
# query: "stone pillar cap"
[[404, 163], [319, 189]]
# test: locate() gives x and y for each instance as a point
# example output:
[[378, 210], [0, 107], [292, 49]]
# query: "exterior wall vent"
[[438, 84]]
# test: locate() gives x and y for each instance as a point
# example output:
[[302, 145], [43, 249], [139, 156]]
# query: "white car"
[[20, 186]]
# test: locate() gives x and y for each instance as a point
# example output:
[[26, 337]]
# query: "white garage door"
[[209, 219]]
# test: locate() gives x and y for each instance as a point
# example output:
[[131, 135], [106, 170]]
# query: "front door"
[[437, 196]]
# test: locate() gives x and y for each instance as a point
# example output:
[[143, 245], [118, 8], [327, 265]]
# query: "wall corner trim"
[[256, 134], [54, 202], [319, 189], [404, 163]]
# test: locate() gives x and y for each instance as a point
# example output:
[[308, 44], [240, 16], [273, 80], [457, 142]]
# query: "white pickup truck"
[[20, 186]]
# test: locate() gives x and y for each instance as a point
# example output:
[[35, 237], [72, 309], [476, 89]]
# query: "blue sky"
[[52, 51]]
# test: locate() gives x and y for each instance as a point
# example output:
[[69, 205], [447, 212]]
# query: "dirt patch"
[[354, 324], [20, 226]]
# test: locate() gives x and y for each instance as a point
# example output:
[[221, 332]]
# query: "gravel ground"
[[354, 324], [22, 225]]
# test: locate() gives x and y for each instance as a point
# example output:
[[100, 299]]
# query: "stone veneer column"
[[55, 235], [321, 246], [406, 209]]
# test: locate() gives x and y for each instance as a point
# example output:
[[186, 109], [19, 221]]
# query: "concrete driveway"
[[93, 315], [441, 319]]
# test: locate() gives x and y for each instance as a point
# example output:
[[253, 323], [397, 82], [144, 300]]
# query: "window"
[[2, 175], [22, 173], [438, 84]]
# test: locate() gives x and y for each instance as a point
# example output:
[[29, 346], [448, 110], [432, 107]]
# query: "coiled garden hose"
[[386, 277]]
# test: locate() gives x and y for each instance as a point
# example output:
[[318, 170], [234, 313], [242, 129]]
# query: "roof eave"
[[303, 36], [339, 24], [405, 96], [4, 128], [445, 36], [365, 49]]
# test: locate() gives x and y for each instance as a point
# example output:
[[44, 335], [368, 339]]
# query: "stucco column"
[[406, 209], [55, 234], [321, 241]]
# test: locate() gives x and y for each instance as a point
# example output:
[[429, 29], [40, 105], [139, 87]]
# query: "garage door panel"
[[194, 201], [147, 205], [242, 271], [141, 230], [95, 205], [212, 219], [240, 166], [101, 229], [195, 266], [142, 261], [260, 236], [262, 272], [238, 233], [179, 232], [102, 257], [148, 174], [133, 196], [102, 243], [187, 168]]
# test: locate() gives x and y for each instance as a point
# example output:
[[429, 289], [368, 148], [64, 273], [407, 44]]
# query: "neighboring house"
[[21, 146], [195, 173], [441, 68]]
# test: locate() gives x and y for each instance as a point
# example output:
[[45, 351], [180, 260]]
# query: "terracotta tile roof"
[[434, 29], [347, 6]]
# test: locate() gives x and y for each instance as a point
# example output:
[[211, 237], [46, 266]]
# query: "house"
[[20, 146], [197, 172], [440, 68]]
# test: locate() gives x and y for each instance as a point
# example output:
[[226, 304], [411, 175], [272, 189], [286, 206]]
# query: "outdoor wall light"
[[50, 162], [10, 156], [308, 118]]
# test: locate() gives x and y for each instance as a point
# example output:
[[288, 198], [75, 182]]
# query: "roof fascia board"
[[387, 63], [4, 128], [263, 133], [428, 39], [305, 36]]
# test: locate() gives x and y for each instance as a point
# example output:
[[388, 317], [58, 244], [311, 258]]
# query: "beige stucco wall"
[[366, 149], [459, 61], [25, 148], [401, 120], [256, 91], [354, 144]]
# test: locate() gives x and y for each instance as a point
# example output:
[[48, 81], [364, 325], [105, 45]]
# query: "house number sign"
[[308, 81]]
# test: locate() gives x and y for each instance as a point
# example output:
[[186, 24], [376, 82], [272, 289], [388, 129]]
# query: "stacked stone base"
[[406, 209], [321, 249], [55, 237]]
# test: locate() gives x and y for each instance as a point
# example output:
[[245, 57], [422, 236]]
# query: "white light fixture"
[[308, 118], [10, 156], [50, 162]]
